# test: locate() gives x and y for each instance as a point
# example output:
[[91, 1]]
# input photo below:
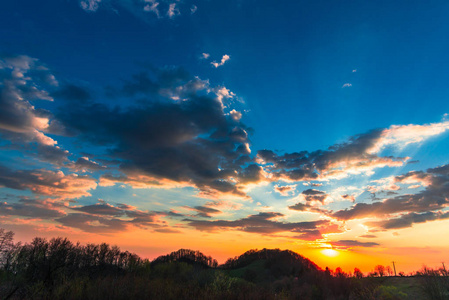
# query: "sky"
[[224, 126]]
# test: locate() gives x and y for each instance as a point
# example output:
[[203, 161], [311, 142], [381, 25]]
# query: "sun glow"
[[330, 252]]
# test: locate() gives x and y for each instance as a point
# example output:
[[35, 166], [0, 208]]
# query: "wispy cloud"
[[346, 85], [152, 6], [285, 190], [173, 11], [265, 223], [90, 5], [345, 244]]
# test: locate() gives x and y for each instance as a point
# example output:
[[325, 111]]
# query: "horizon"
[[225, 126], [330, 252]]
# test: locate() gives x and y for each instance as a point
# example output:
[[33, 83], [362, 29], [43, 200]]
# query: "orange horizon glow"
[[229, 244]]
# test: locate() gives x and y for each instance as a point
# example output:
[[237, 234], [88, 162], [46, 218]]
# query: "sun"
[[330, 252]]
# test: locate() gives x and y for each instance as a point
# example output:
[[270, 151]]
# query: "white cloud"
[[193, 9], [403, 135], [223, 93], [224, 59], [173, 11], [152, 7], [205, 55], [236, 115], [90, 5], [346, 85]]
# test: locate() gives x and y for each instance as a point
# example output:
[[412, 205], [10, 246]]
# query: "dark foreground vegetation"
[[60, 269]]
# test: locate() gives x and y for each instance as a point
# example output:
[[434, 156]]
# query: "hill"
[[270, 264], [60, 269]]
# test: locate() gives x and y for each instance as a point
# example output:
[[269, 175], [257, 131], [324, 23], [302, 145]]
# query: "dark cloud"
[[353, 243], [368, 236], [312, 195], [348, 197], [261, 223], [95, 224], [285, 190], [356, 156], [72, 93], [101, 209], [407, 220], [34, 209], [167, 230], [46, 182], [103, 217], [307, 207], [21, 123], [84, 164], [178, 131], [310, 235], [204, 211]]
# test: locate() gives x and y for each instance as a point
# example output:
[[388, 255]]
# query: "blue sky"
[[195, 116]]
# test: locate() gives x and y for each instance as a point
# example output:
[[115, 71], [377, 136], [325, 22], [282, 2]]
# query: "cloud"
[[83, 164], [33, 209], [103, 217], [413, 207], [348, 197], [224, 59], [47, 182], [90, 5], [338, 161], [204, 211], [205, 55], [346, 85], [307, 207], [162, 8], [102, 209], [236, 115], [177, 133], [407, 220], [262, 223], [345, 244], [173, 11], [401, 136], [368, 236], [72, 92], [94, 224], [285, 190], [312, 195], [224, 205], [152, 7], [21, 123], [360, 154]]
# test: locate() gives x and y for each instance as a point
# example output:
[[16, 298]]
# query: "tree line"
[[60, 269]]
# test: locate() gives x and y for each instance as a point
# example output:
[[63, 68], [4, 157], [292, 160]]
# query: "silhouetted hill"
[[271, 264], [187, 256], [272, 256]]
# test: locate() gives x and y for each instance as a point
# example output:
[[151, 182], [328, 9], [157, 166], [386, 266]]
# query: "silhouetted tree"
[[358, 273], [380, 270]]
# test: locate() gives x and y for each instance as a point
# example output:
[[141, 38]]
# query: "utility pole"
[[444, 267], [394, 268]]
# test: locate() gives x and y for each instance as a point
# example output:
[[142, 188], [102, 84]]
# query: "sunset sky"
[[224, 126]]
